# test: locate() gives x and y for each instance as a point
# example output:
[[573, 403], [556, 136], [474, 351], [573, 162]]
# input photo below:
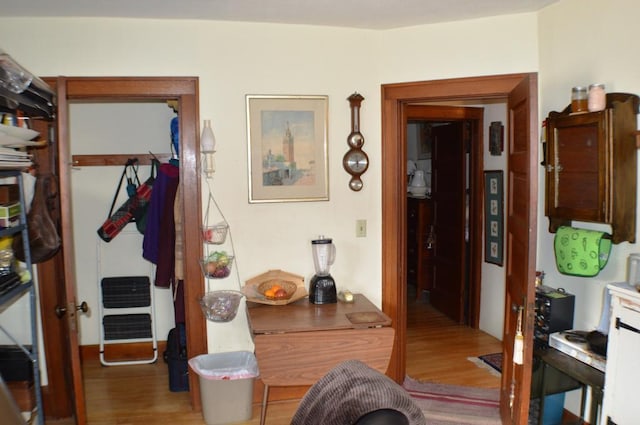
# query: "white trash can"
[[226, 385]]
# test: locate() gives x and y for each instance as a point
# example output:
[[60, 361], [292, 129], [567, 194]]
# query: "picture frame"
[[425, 139], [287, 147], [496, 138], [494, 216]]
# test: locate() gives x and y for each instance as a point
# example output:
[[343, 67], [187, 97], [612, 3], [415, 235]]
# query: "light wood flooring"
[[139, 395]]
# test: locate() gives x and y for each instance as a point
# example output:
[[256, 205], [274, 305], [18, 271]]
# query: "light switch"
[[361, 228]]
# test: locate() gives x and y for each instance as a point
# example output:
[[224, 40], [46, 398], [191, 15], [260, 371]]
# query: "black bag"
[[143, 193], [134, 209], [176, 357], [44, 240]]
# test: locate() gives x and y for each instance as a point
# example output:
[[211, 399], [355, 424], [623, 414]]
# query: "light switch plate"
[[361, 228]]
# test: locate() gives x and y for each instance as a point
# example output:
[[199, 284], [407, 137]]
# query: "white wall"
[[493, 276], [602, 56], [236, 59], [584, 42], [499, 45]]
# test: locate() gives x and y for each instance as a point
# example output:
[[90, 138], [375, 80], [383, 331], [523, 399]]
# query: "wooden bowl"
[[288, 286]]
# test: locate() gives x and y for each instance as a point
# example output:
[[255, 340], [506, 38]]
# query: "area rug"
[[492, 362], [455, 405]]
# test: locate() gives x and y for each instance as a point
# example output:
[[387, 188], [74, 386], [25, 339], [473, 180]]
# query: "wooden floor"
[[437, 349], [139, 395]]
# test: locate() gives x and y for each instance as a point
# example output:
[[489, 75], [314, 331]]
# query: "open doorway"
[[444, 331], [444, 143]]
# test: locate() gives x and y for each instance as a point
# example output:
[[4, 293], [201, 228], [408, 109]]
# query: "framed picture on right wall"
[[493, 216]]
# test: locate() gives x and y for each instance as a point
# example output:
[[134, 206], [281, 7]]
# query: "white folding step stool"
[[127, 312]]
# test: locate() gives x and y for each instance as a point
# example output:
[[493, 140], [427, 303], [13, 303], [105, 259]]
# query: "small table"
[[298, 343], [581, 372]]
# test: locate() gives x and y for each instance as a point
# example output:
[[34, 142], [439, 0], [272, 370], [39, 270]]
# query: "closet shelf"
[[116, 159]]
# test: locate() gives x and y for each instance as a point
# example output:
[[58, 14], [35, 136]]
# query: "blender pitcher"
[[324, 254], [322, 288]]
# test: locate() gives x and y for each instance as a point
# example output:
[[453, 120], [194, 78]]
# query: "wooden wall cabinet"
[[591, 167]]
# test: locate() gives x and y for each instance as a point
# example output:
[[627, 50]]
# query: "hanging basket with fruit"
[[217, 265]]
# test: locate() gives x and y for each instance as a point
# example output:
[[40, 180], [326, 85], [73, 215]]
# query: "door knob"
[[83, 307]]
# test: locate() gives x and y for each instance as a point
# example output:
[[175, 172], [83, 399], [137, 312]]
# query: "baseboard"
[[570, 418], [23, 394], [122, 352]]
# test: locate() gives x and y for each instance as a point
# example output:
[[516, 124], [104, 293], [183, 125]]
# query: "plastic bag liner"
[[225, 366]]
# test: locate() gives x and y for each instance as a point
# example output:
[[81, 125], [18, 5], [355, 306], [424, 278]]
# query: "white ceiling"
[[371, 14]]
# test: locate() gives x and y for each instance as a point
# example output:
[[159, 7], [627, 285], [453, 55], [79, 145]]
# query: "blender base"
[[322, 290]]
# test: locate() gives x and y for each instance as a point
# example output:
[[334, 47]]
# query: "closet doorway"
[[57, 277]]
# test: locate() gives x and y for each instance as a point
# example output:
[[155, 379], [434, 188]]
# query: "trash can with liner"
[[226, 385]]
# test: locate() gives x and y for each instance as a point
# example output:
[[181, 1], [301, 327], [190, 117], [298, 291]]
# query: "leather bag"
[[44, 239]]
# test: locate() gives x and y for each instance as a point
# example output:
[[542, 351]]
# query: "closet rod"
[[117, 159]]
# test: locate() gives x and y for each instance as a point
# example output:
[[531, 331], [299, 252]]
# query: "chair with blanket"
[[352, 393]]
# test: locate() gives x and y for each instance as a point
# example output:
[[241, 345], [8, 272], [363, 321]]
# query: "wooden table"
[[298, 343], [581, 372]]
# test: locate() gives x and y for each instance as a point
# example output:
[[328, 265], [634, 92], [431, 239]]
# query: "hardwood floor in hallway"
[[139, 394], [438, 348]]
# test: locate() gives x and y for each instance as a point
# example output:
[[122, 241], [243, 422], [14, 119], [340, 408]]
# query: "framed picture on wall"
[[287, 148], [496, 138], [424, 139], [493, 216]]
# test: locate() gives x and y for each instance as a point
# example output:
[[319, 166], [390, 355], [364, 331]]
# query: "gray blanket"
[[351, 390]]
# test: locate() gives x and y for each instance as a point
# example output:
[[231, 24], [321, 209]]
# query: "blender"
[[322, 288]]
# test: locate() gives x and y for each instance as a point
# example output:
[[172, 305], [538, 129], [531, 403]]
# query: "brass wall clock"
[[355, 161]]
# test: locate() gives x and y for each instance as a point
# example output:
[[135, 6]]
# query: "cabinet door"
[[622, 374], [412, 240], [578, 170]]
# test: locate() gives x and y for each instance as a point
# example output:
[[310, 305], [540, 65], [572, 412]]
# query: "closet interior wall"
[[102, 137]]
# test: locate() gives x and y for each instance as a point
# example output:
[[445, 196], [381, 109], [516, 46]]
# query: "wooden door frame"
[[184, 90], [395, 98]]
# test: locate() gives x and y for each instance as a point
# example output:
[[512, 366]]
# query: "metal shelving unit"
[[23, 289]]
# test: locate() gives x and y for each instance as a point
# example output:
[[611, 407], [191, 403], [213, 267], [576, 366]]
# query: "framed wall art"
[[287, 148], [496, 138], [493, 216]]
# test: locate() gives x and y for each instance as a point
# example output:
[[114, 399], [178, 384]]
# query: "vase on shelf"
[[418, 186], [208, 148]]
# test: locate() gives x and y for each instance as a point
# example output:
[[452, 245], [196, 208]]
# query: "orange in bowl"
[[277, 289]]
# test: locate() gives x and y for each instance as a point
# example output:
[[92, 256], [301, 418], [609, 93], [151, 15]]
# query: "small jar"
[[579, 100], [597, 98]]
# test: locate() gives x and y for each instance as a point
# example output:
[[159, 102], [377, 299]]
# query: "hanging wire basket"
[[217, 265], [221, 306], [215, 234]]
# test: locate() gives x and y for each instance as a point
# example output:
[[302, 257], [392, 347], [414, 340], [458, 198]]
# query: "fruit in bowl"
[[215, 234], [277, 289], [217, 264]]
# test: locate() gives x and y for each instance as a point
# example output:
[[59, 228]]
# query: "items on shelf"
[[14, 291]]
